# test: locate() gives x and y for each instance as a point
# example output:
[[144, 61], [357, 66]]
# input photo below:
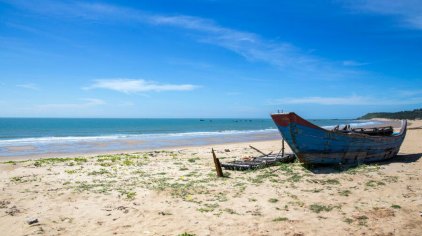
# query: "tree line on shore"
[[410, 115]]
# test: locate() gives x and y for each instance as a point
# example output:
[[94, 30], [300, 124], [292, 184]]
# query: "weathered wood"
[[256, 149], [315, 145], [282, 147], [217, 164], [258, 162]]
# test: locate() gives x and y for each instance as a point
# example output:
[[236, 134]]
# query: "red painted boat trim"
[[285, 120], [281, 119]]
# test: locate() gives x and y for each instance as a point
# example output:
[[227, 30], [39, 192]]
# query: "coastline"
[[221, 145], [129, 145], [175, 191], [50, 147]]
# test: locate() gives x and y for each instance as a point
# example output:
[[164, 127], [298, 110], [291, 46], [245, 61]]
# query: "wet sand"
[[112, 146]]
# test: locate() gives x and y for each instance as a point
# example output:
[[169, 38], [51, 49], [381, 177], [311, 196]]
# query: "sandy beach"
[[175, 191]]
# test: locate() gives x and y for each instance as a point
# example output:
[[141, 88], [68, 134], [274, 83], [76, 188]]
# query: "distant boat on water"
[[315, 145]]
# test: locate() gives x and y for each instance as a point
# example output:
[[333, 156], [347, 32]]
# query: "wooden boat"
[[315, 145]]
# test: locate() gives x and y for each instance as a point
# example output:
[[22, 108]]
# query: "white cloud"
[[408, 11], [28, 86], [233, 93], [88, 103], [350, 100], [253, 47], [139, 85], [409, 93], [354, 63], [249, 45]]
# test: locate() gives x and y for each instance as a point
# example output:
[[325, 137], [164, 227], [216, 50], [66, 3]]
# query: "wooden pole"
[[282, 147], [217, 164]]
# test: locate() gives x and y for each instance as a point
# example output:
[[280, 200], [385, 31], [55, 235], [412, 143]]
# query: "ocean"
[[48, 136]]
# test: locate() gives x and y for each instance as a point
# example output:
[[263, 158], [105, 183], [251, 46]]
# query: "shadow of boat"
[[402, 158], [332, 169]]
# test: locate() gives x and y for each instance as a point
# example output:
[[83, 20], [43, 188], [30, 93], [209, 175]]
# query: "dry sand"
[[175, 191]]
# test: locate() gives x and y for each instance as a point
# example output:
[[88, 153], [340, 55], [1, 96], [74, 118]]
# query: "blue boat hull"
[[315, 145]]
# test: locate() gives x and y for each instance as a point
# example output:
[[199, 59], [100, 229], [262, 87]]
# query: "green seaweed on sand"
[[374, 183], [363, 168], [186, 234], [52, 161], [317, 208], [273, 200]]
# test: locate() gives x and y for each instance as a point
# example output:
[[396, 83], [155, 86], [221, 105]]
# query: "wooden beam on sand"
[[217, 164]]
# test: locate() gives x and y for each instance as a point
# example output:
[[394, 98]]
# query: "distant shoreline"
[[409, 115]]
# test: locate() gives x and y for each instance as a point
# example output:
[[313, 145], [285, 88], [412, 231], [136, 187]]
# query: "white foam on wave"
[[76, 139]]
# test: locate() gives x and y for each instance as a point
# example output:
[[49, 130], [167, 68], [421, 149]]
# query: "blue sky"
[[209, 58]]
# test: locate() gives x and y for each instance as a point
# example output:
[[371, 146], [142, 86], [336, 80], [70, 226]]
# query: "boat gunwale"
[[349, 135]]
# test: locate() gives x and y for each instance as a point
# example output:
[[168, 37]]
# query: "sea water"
[[39, 136]]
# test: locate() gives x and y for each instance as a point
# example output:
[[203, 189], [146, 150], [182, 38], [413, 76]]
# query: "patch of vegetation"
[[363, 169], [297, 203], [109, 158], [348, 220], [192, 160], [344, 193], [208, 207], [286, 167], [96, 187], [173, 154], [130, 195], [70, 171], [186, 234], [278, 219], [138, 172], [395, 206], [102, 171], [185, 190], [273, 200], [17, 179], [41, 162], [315, 190], [391, 179], [374, 183], [227, 174], [24, 179], [221, 197], [128, 162], [295, 178], [192, 173], [261, 177], [12, 162], [362, 220], [317, 208], [331, 181], [230, 211]]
